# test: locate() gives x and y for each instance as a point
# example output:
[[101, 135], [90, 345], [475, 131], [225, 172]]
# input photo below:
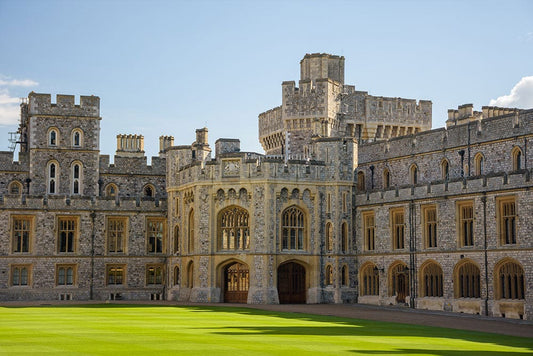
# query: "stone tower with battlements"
[[322, 105]]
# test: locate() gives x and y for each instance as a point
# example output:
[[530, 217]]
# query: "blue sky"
[[169, 67]]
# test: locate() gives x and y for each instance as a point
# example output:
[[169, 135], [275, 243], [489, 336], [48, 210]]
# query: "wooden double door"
[[291, 283], [236, 283]]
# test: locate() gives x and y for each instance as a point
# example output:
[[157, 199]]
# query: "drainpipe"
[[462, 154], [93, 216], [484, 201], [468, 172]]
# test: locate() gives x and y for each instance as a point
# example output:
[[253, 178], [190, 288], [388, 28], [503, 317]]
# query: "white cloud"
[[9, 109], [521, 95], [18, 82]]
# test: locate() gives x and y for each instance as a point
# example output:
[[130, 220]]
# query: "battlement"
[[41, 104], [322, 65], [465, 113], [130, 145]]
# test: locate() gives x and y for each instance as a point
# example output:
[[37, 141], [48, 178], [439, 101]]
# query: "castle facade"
[[356, 200]]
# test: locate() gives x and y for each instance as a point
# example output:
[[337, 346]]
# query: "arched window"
[[190, 275], [149, 191], [111, 190], [233, 229], [53, 137], [76, 178], [517, 158], [360, 181], [344, 237], [345, 280], [15, 188], [329, 275], [478, 164], [329, 236], [445, 169], [467, 281], [77, 137], [176, 276], [369, 280], [53, 174], [386, 178], [293, 229], [190, 237], [176, 238], [413, 174], [510, 281], [432, 283], [399, 280]]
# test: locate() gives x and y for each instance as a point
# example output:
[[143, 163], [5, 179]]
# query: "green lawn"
[[134, 329]]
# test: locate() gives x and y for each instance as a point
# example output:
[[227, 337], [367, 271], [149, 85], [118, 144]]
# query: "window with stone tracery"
[[293, 229], [233, 229]]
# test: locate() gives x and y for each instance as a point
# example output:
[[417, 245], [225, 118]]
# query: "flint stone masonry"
[[328, 147]]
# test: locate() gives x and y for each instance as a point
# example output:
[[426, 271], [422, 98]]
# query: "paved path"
[[502, 326]]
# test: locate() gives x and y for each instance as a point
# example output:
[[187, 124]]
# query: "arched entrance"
[[291, 283], [402, 288], [236, 282]]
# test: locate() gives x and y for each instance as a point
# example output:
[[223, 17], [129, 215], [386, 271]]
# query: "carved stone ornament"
[[232, 168]]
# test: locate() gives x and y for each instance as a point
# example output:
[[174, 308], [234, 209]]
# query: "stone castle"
[[356, 200]]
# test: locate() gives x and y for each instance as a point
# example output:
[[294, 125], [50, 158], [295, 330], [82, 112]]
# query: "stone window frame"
[[413, 174], [155, 274], [445, 169], [509, 280], [11, 188], [233, 229], [52, 137], [516, 157], [65, 267], [507, 220], [369, 279], [112, 243], [293, 219], [431, 280], [345, 244], [361, 186], [386, 178], [148, 191], [330, 236], [190, 275], [328, 203], [465, 223], [153, 247], [396, 268], [397, 228], [78, 131], [176, 239], [345, 275], [190, 232], [15, 270], [369, 230], [467, 279], [108, 190], [52, 176], [479, 163], [116, 270], [176, 275], [328, 275], [429, 214], [19, 241], [76, 180], [75, 230]]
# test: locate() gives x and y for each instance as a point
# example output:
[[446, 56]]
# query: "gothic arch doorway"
[[402, 288], [291, 283], [236, 283]]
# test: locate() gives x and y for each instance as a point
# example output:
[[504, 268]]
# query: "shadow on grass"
[[441, 352], [341, 327]]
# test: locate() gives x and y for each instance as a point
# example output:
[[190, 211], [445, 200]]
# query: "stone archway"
[[291, 283], [236, 283]]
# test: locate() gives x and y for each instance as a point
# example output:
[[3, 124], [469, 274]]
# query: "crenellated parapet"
[[41, 104], [322, 105]]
